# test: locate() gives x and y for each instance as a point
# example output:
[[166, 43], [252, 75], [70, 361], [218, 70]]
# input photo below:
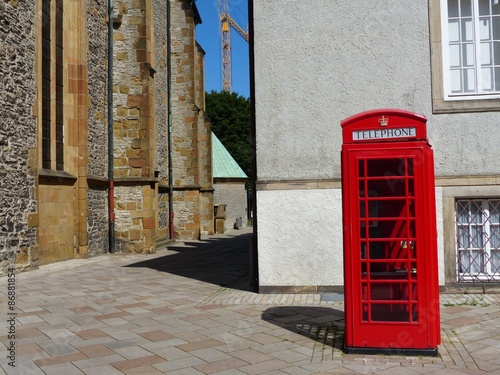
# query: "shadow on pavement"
[[321, 324], [219, 261]]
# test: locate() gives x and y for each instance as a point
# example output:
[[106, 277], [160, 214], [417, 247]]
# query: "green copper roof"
[[224, 166]]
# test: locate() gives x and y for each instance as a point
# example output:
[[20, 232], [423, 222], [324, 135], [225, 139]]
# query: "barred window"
[[478, 240]]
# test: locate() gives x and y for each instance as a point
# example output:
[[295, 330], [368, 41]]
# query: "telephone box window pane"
[[399, 229], [376, 250], [393, 312], [390, 208], [386, 167], [361, 168], [371, 192], [410, 167], [364, 272], [414, 294], [364, 307], [411, 188], [372, 210], [389, 292], [364, 292], [413, 269], [390, 270], [390, 187], [414, 315]]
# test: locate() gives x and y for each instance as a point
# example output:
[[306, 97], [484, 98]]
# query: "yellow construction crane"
[[226, 23]]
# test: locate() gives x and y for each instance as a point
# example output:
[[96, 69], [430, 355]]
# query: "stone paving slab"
[[189, 310]]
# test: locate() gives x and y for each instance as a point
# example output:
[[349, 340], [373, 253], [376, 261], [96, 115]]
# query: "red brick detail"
[[148, 223], [137, 162]]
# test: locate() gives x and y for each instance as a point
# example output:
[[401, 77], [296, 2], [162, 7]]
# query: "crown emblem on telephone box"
[[383, 121]]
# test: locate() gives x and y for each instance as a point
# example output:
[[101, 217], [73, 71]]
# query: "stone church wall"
[[17, 136]]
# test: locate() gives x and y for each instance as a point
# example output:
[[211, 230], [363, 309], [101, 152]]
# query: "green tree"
[[229, 114]]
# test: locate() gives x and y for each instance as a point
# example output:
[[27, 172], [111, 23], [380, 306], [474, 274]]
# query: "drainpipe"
[[170, 142], [111, 191]]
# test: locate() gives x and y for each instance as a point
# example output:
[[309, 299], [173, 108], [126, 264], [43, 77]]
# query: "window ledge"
[[49, 176], [96, 182], [463, 106]]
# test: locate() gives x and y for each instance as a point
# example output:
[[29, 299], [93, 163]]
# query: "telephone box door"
[[389, 257]]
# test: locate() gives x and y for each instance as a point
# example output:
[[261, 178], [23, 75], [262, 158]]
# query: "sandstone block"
[[134, 100], [148, 223]]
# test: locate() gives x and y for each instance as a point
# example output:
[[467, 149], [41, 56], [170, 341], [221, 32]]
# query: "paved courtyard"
[[188, 310]]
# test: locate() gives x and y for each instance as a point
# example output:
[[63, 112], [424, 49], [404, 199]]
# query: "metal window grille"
[[478, 240]]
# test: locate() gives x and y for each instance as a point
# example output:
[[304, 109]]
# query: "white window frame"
[[475, 30], [485, 272], [441, 102]]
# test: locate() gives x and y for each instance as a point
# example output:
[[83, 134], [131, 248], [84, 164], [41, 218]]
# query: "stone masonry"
[[134, 127], [61, 212], [17, 136], [161, 117], [192, 170], [97, 195]]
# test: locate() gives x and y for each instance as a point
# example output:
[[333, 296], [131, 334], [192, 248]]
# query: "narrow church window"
[[52, 83], [59, 87], [46, 110]]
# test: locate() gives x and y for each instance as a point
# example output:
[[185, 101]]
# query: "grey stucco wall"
[[234, 195], [318, 62], [17, 131]]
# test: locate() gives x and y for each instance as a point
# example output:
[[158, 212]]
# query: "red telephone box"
[[390, 237]]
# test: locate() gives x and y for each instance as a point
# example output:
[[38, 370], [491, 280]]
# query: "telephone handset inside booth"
[[390, 254]]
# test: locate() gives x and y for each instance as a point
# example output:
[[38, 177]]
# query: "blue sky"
[[208, 36]]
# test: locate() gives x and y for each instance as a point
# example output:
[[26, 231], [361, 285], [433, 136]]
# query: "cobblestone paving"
[[188, 310]]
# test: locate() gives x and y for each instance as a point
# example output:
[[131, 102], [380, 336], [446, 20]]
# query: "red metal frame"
[[390, 238]]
